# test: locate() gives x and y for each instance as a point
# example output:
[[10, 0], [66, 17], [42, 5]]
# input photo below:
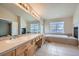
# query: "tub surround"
[[70, 40]]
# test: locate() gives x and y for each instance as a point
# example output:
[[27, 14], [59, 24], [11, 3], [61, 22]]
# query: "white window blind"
[[34, 28], [56, 27]]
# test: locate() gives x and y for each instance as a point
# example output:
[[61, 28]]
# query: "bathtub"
[[70, 40]]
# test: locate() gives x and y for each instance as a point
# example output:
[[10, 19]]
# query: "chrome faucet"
[[12, 37]]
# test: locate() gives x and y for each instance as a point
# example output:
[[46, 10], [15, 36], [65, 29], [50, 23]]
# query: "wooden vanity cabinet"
[[26, 49]]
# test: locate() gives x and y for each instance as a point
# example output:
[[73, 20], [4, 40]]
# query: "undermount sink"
[[10, 41], [13, 41]]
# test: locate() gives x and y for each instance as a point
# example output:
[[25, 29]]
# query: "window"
[[34, 28], [56, 27]]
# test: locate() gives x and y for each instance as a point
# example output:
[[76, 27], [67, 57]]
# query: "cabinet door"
[[20, 50], [27, 48], [10, 53], [31, 50]]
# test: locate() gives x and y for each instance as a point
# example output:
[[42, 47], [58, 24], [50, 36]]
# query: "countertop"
[[6, 45]]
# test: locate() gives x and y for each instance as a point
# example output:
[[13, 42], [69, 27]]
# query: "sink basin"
[[10, 41]]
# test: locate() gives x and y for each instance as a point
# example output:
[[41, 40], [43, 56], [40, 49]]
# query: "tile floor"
[[56, 49]]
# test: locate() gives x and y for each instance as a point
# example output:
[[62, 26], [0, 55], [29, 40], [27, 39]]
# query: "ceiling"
[[18, 11], [45, 10], [54, 10]]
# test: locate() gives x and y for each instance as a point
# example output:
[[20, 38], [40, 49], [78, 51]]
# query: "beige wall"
[[76, 20], [76, 17], [7, 15], [68, 24]]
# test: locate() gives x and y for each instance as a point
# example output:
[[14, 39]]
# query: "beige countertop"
[[6, 45]]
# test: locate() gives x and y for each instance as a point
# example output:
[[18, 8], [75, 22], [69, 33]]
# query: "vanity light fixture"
[[34, 14], [24, 5], [29, 9]]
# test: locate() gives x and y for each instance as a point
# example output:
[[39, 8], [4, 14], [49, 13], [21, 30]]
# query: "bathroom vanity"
[[24, 45]]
